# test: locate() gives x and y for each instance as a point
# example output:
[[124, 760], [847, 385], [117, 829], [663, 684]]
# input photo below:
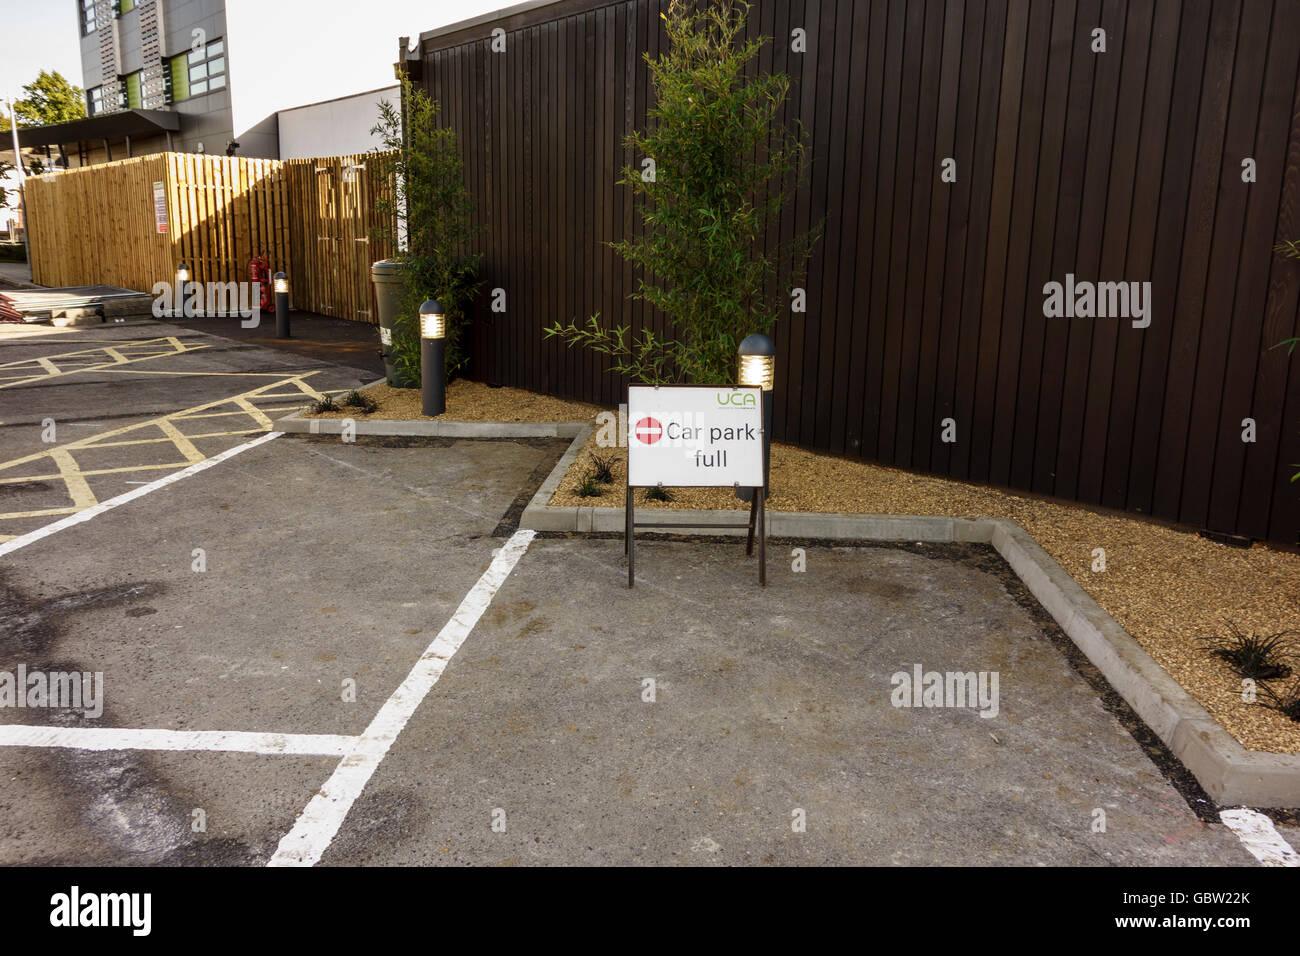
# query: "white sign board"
[[702, 436], [160, 207]]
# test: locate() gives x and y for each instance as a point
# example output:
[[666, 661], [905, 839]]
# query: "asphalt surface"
[[695, 719]]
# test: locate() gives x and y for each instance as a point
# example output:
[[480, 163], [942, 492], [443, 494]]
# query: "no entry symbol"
[[648, 431]]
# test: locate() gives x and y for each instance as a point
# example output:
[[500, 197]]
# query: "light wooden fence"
[[95, 226], [336, 234], [132, 223]]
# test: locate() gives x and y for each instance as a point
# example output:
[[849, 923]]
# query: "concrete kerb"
[[1229, 772], [298, 423]]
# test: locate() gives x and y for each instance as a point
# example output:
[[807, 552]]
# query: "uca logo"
[[736, 398]]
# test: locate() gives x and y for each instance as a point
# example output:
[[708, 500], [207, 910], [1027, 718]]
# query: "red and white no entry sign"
[[648, 431]]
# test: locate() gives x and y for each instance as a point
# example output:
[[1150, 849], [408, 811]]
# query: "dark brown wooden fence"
[[925, 299]]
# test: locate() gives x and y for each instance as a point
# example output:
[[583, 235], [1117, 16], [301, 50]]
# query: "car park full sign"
[[694, 436]]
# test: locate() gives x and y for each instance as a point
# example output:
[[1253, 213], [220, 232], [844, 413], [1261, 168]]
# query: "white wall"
[[336, 128], [286, 53]]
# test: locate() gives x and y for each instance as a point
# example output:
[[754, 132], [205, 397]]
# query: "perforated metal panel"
[[109, 55], [153, 85]]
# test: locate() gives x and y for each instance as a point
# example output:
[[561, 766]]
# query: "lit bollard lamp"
[[758, 368], [182, 280], [280, 283], [433, 343]]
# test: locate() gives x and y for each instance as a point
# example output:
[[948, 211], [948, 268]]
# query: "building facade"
[[162, 55]]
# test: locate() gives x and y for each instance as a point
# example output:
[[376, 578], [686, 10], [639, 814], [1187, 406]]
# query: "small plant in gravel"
[[1287, 702], [589, 487], [602, 467], [325, 403], [1253, 655], [658, 493], [355, 399]]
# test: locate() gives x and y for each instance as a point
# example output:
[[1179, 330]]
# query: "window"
[[96, 100], [199, 71], [88, 24]]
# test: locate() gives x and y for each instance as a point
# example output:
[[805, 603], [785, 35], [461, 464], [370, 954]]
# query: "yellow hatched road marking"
[[72, 475], [52, 370], [254, 411], [96, 439], [183, 444], [48, 512], [78, 490], [108, 471], [175, 342]]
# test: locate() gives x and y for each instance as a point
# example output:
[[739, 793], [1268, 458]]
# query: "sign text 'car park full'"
[[687, 436]]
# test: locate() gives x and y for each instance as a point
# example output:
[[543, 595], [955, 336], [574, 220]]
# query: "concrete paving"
[[767, 704], [329, 567], [16, 275], [319, 337], [381, 546]]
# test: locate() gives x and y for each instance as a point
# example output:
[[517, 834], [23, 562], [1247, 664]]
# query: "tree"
[[49, 99], [716, 168], [429, 202]]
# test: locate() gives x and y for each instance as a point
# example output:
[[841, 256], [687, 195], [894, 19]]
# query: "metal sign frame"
[[757, 507]]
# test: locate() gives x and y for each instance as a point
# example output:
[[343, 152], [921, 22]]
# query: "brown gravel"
[[469, 402], [1166, 586]]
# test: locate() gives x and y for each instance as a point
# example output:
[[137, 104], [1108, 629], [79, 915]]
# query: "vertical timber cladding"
[[925, 299], [96, 225], [224, 210], [336, 234]]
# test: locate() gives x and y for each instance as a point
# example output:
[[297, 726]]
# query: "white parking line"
[[94, 511], [1260, 837], [114, 738], [320, 821]]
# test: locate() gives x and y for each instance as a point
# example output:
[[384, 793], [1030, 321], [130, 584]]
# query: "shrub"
[[429, 202], [355, 399], [602, 467], [1253, 655], [1287, 702], [589, 486], [723, 170]]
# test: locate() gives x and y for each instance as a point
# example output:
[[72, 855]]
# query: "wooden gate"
[[338, 235]]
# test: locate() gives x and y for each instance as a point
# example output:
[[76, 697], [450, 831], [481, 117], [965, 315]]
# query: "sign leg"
[[759, 496], [630, 537], [753, 515]]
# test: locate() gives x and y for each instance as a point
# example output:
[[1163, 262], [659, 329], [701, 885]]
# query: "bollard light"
[[280, 283], [758, 369], [758, 361], [433, 357], [433, 320], [182, 279]]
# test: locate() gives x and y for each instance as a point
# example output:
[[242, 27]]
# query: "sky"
[[351, 45]]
